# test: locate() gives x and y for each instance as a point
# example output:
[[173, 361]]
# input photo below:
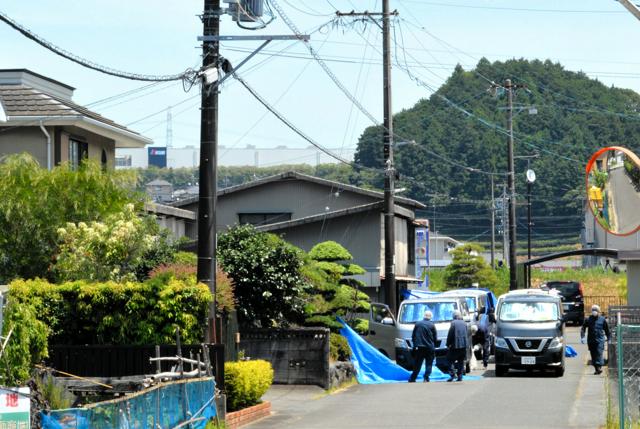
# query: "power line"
[[512, 9], [188, 75]]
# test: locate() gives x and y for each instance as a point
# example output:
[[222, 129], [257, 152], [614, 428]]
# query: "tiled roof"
[[20, 100]]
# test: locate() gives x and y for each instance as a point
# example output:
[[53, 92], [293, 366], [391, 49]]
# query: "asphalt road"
[[522, 400], [626, 200]]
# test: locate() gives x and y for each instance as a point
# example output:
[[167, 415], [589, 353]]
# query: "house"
[[38, 116], [307, 210], [160, 190], [440, 247]]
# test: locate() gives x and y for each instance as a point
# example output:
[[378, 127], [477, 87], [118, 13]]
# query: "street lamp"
[[531, 177]]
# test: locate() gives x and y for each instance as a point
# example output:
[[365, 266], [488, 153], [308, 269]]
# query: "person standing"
[[457, 346], [598, 329], [424, 338], [486, 319]]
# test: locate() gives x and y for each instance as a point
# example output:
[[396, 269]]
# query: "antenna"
[[169, 137]]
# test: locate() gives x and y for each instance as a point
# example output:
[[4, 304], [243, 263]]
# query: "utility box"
[[246, 10]]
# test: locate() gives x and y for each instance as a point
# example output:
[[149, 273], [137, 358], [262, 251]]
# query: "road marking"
[[574, 408]]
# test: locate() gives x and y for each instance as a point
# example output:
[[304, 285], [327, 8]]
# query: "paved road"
[[521, 400], [626, 200]]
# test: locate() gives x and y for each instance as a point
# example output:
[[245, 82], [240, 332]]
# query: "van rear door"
[[382, 329]]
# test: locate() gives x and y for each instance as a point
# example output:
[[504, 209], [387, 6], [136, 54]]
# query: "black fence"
[[298, 356], [108, 361]]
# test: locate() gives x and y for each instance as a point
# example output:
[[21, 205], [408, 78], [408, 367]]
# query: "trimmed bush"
[[339, 348], [112, 313], [27, 345], [246, 382]]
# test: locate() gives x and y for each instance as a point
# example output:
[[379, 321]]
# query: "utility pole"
[[390, 173], [208, 160], [493, 228], [512, 188], [390, 287], [505, 233]]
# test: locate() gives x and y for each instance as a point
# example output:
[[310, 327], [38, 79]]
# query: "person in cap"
[[423, 338], [457, 346], [598, 329]]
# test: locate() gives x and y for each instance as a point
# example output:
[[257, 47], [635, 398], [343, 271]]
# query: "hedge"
[[117, 313], [245, 382]]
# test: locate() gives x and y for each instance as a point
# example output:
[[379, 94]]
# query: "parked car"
[[572, 296], [529, 331], [392, 337]]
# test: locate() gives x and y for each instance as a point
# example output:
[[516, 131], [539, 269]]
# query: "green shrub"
[[27, 345], [111, 313], [339, 347], [246, 382]]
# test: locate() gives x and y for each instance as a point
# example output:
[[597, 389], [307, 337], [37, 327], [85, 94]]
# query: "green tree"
[[27, 344], [468, 267], [265, 270], [123, 247], [334, 292], [36, 202]]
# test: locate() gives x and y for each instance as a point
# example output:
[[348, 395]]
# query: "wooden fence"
[[121, 361]]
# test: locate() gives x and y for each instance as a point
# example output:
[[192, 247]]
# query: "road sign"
[[15, 407]]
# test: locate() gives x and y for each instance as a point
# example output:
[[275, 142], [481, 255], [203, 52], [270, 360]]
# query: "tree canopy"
[[36, 202]]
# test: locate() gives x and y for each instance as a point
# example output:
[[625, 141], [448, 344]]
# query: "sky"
[[598, 37]]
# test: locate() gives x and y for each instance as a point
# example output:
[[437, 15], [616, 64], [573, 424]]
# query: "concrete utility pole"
[[512, 188], [391, 291], [390, 287], [493, 228], [505, 233], [208, 163]]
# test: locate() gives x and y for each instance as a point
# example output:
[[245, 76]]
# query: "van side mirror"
[[387, 321]]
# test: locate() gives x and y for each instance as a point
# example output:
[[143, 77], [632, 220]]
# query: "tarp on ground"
[[162, 406], [372, 367], [570, 352]]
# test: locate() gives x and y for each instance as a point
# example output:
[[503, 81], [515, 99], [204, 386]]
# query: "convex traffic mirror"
[[613, 189]]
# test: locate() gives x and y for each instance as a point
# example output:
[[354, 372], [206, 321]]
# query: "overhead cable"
[[188, 75]]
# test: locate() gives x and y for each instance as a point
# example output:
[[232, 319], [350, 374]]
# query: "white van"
[[392, 337]]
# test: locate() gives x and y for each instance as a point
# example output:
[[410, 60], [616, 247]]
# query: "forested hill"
[[575, 116]]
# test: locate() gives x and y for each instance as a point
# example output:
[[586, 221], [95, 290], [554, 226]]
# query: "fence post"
[[620, 371]]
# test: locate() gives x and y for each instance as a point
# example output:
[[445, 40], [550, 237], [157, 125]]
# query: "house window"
[[78, 151], [259, 219], [103, 159]]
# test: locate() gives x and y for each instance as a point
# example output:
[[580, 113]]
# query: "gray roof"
[[293, 175], [402, 212], [159, 182], [23, 105]]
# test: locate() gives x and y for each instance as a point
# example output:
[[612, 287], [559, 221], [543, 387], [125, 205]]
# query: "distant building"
[[38, 116], [160, 191], [307, 210], [189, 156], [440, 247]]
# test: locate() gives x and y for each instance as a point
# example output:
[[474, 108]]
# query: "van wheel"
[[501, 370], [559, 371]]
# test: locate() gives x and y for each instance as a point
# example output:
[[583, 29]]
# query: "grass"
[[595, 281]]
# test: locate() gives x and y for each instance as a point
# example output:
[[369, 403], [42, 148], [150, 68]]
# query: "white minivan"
[[392, 336]]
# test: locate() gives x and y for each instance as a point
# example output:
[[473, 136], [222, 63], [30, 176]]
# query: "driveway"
[[523, 400]]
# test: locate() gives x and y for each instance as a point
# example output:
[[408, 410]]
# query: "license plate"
[[528, 360]]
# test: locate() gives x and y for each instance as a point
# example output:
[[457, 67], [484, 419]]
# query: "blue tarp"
[[570, 352], [417, 293], [372, 367]]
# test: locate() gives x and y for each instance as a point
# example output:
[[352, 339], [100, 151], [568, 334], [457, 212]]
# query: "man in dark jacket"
[[598, 329], [486, 319], [457, 346], [424, 338]]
